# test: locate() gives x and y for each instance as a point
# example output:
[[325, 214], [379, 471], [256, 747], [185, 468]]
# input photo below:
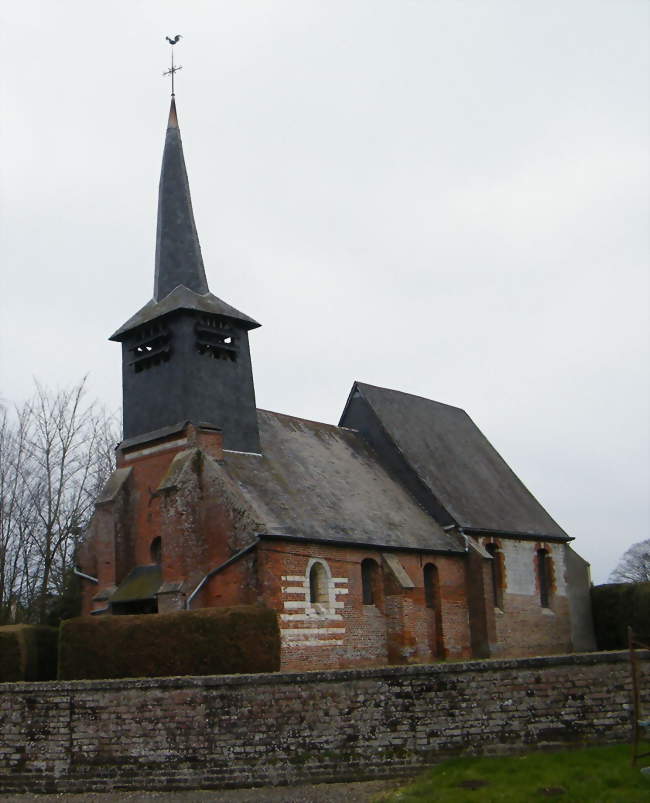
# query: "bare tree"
[[54, 459], [634, 566], [15, 524]]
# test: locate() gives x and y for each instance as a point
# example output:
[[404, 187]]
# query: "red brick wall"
[[196, 527], [347, 633]]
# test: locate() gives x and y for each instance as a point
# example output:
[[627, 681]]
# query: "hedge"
[[617, 605], [28, 652], [211, 641]]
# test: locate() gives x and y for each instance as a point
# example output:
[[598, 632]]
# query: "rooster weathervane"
[[173, 69]]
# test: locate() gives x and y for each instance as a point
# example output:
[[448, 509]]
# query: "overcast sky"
[[446, 198]]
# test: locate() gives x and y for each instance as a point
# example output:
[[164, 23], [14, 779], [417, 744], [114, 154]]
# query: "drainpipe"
[[85, 576], [216, 570]]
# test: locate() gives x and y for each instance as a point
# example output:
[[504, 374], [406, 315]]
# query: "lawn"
[[587, 775]]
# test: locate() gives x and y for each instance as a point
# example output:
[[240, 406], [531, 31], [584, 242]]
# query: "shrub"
[[617, 605], [28, 652], [212, 641]]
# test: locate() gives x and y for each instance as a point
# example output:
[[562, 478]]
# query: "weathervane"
[[173, 69]]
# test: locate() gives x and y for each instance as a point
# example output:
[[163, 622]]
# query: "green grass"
[[588, 775]]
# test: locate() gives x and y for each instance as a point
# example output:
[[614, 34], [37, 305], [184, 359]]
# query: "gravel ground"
[[358, 792]]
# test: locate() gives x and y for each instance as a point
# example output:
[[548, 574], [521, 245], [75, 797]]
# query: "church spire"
[[178, 253], [185, 354]]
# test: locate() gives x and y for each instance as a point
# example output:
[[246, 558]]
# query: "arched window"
[[155, 550], [496, 567], [544, 577], [318, 585], [431, 586], [370, 581]]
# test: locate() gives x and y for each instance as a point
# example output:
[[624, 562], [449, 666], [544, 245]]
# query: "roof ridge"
[[411, 395], [300, 418]]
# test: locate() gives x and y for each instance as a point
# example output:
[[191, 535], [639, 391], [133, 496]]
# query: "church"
[[397, 536]]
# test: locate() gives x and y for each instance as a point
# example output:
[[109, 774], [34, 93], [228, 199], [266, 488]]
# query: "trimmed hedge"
[[28, 652], [210, 641], [617, 605]]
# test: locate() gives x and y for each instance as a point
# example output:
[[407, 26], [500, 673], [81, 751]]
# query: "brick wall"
[[175, 733], [397, 629], [522, 626]]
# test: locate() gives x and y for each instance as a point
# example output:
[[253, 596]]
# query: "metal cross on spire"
[[173, 69]]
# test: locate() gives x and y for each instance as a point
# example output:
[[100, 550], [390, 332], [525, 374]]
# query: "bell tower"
[[185, 354]]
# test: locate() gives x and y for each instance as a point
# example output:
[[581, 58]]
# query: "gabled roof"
[[453, 458], [320, 482]]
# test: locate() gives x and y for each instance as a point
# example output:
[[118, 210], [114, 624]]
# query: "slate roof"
[[141, 583], [182, 298], [179, 281], [322, 482], [459, 465], [178, 253]]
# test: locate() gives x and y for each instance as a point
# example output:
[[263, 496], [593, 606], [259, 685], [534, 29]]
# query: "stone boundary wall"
[[246, 730]]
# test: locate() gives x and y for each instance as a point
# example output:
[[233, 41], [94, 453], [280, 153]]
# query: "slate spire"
[[178, 253], [185, 354]]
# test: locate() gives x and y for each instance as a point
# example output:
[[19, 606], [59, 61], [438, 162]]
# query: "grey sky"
[[446, 198]]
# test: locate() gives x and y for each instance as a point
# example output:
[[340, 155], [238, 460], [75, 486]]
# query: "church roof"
[[322, 482], [141, 583], [178, 253], [453, 458], [182, 298], [179, 279]]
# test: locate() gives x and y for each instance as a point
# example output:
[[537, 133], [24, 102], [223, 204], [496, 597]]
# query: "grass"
[[587, 775]]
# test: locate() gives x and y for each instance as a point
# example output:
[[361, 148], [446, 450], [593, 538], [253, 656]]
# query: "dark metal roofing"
[[182, 298], [178, 253], [141, 583], [458, 464], [154, 435], [179, 280], [318, 481]]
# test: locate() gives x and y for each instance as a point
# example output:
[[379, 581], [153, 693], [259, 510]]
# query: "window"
[[369, 581], [215, 338], [155, 550], [151, 346], [318, 585], [496, 567], [431, 586], [544, 577], [432, 601]]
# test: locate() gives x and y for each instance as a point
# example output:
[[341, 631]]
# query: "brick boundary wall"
[[247, 730]]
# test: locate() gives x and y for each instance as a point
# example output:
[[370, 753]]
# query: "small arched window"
[[370, 581], [544, 577], [496, 567], [431, 586], [318, 585], [155, 550]]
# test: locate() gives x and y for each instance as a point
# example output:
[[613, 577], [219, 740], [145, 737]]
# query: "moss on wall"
[[212, 641]]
